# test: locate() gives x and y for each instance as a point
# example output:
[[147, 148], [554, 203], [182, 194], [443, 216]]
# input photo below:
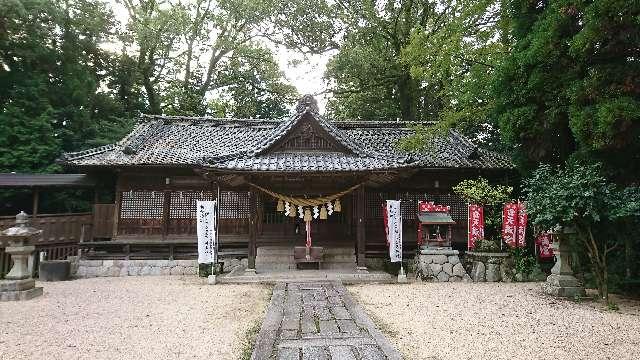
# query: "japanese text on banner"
[[207, 234], [395, 230], [476, 225]]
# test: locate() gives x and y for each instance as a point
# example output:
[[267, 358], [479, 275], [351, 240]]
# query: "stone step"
[[274, 267], [274, 250], [277, 258], [339, 266]]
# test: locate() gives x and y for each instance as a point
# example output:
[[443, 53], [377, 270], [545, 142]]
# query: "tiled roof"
[[245, 145]]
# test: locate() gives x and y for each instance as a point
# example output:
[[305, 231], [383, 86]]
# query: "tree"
[[28, 142], [579, 196], [409, 60], [491, 197], [569, 86], [188, 52], [460, 50], [252, 86]]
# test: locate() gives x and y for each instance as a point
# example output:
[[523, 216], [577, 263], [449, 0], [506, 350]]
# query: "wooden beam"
[[36, 200], [360, 228], [253, 229], [165, 214]]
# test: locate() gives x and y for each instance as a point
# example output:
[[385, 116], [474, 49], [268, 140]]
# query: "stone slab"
[[348, 326], [368, 352], [446, 252], [288, 354], [324, 330], [21, 295], [340, 312], [17, 285], [341, 353], [314, 353]]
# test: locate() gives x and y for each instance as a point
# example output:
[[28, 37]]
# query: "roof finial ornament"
[[307, 102]]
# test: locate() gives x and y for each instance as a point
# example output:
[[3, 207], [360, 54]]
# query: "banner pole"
[[468, 226], [217, 208]]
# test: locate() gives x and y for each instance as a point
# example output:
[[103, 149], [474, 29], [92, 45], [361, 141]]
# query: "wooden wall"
[[158, 206]]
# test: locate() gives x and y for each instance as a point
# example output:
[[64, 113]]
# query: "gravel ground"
[[132, 317], [497, 321]]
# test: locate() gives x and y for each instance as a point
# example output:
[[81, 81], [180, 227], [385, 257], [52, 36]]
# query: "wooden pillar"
[[116, 213], [36, 200], [360, 226], [165, 214], [253, 230]]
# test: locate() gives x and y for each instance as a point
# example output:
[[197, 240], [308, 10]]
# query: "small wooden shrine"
[[435, 225]]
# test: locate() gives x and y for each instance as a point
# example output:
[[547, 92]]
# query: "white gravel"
[[497, 321], [132, 317]]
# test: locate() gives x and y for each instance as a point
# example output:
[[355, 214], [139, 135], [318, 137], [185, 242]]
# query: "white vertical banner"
[[207, 234], [394, 236]]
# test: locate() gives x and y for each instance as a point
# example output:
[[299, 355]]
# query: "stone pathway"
[[319, 320]]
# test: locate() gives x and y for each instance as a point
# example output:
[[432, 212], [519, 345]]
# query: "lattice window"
[[234, 205], [141, 204], [373, 204], [409, 204], [183, 203]]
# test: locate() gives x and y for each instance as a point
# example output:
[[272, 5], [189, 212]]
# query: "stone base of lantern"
[[17, 290], [563, 286]]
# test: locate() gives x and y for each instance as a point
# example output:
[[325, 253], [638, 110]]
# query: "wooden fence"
[[61, 234]]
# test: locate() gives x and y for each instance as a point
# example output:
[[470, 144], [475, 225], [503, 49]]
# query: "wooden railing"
[[61, 234], [57, 228]]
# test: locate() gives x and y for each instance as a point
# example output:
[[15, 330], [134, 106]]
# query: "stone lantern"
[[561, 282], [19, 240]]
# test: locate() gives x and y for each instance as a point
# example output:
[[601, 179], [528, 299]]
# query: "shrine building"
[[338, 173]]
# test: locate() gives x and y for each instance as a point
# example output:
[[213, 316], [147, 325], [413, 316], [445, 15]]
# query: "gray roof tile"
[[243, 144]]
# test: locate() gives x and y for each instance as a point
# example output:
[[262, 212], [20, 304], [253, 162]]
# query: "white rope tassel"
[[287, 208], [316, 212], [301, 212]]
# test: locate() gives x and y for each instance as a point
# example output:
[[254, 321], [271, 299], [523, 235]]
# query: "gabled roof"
[[252, 145]]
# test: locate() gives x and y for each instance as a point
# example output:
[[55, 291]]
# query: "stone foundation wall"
[[489, 267], [440, 266], [114, 268]]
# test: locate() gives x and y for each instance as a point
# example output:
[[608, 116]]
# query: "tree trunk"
[[152, 96], [407, 97], [598, 259]]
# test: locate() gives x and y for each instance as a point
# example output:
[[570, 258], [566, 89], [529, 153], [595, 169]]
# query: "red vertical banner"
[[514, 224], [476, 224], [308, 230], [385, 217], [522, 225], [543, 243]]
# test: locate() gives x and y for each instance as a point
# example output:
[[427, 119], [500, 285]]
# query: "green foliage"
[[492, 197], [576, 195], [28, 141], [253, 86], [414, 60], [202, 57], [525, 263], [580, 197], [481, 192], [419, 141], [487, 245], [567, 86]]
